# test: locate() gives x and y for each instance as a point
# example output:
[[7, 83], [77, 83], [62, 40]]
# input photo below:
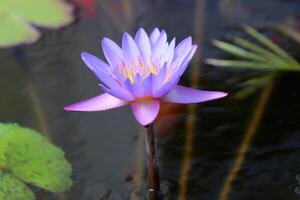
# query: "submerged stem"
[[153, 172]]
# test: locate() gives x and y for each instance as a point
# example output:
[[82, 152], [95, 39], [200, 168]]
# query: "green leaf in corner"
[[16, 17], [12, 188], [28, 156]]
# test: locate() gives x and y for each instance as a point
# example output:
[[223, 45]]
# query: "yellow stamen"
[[152, 70], [143, 99], [130, 72], [129, 76]]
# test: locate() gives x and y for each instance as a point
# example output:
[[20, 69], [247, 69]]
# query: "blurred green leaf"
[[270, 44], [16, 17], [15, 30], [12, 188], [253, 84], [235, 50], [289, 32], [269, 56], [28, 156]]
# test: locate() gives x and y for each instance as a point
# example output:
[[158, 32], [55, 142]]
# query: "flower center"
[[144, 99], [130, 71]]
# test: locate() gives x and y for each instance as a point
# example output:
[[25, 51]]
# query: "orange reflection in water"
[[170, 116], [89, 7]]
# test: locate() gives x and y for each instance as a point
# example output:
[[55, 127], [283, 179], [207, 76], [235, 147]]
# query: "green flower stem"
[[153, 172]]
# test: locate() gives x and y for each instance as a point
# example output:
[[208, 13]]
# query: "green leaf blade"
[[270, 44], [235, 50]]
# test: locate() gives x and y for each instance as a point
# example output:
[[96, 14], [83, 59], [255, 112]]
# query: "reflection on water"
[[106, 148]]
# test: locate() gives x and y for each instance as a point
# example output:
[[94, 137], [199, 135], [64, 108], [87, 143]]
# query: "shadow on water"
[[106, 149]]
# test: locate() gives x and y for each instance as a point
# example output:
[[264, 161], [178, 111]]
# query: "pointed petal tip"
[[85, 56], [83, 53], [188, 39], [141, 34], [67, 108], [104, 40], [73, 108], [125, 34], [107, 42], [141, 29], [220, 95], [156, 29], [146, 123]]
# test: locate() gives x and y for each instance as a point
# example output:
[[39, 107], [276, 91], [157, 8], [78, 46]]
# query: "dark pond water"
[[106, 148]]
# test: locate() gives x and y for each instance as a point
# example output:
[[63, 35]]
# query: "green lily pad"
[[14, 31], [12, 188], [16, 17], [28, 156]]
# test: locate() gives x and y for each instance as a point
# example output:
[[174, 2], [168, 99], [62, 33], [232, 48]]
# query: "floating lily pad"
[[12, 188], [28, 156], [17, 18], [14, 31]]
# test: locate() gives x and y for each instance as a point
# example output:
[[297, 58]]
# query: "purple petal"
[[162, 37], [159, 78], [181, 51], [183, 47], [159, 48], [120, 93], [154, 36], [112, 52], [130, 50], [141, 87], [95, 64], [168, 56], [187, 60], [166, 87], [98, 103], [184, 95], [143, 43], [179, 65], [101, 69], [145, 111]]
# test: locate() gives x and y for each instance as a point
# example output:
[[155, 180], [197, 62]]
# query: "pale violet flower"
[[144, 72]]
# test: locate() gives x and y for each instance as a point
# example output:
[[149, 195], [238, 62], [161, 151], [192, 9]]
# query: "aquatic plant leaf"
[[14, 30], [45, 13], [270, 65], [253, 47], [252, 85], [18, 15], [32, 159], [235, 50], [11, 188], [295, 35], [267, 57], [269, 43]]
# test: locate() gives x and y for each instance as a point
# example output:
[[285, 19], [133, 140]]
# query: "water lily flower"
[[144, 72]]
